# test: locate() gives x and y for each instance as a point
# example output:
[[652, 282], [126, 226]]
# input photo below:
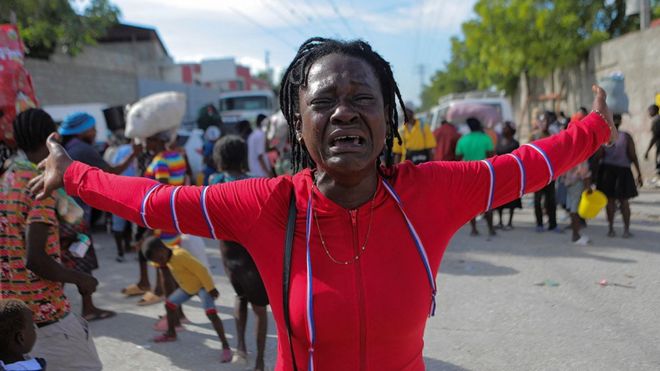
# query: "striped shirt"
[[168, 167], [18, 209]]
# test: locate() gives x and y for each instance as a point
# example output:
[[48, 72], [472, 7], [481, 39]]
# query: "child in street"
[[230, 155], [577, 180], [193, 279], [18, 337]]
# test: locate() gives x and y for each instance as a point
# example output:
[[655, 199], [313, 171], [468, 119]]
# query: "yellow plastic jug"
[[591, 204]]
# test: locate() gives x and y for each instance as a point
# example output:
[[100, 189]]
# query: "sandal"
[[164, 338], [226, 355], [240, 357], [149, 298], [133, 290]]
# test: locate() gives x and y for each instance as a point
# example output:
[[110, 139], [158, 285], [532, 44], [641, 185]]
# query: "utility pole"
[[641, 7], [644, 14], [421, 69], [269, 72]]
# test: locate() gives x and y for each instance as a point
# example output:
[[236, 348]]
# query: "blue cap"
[[76, 123]]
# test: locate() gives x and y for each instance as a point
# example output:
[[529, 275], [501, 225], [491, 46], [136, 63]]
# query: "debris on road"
[[548, 282]]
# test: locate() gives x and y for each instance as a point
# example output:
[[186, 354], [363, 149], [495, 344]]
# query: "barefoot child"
[[193, 279], [18, 337]]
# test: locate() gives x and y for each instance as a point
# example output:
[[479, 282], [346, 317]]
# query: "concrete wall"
[[107, 73], [65, 83], [636, 55]]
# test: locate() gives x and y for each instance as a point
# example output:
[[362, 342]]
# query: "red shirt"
[[369, 315], [446, 137]]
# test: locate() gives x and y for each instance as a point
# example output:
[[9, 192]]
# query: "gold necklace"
[[364, 246]]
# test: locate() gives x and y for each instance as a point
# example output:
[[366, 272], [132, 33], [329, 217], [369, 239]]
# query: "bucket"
[[591, 204]]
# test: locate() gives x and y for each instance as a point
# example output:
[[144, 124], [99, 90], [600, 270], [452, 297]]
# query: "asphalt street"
[[520, 301]]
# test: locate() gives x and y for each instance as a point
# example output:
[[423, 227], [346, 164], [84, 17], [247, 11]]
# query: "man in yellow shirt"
[[418, 141], [193, 279]]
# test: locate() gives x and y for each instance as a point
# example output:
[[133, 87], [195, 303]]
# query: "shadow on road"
[[462, 267], [525, 242], [199, 336], [437, 365]]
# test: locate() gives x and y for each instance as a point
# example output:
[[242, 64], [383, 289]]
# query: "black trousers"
[[550, 205]]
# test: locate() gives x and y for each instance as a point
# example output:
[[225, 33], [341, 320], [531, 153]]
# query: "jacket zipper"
[[360, 292]]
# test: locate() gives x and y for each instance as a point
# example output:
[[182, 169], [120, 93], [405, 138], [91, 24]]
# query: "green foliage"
[[46, 25], [537, 36], [509, 37]]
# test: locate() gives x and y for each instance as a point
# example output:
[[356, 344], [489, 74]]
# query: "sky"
[[408, 34]]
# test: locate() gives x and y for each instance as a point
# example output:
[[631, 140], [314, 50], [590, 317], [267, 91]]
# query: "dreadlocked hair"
[[295, 77], [31, 129]]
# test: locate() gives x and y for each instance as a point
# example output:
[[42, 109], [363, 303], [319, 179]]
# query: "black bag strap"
[[288, 252]]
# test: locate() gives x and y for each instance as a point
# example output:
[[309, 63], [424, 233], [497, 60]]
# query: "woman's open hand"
[[600, 106], [54, 167]]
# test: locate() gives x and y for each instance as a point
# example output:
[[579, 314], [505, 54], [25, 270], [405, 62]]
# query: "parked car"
[[237, 106], [498, 101]]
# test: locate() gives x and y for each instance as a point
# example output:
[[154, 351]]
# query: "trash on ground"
[[548, 282], [605, 282]]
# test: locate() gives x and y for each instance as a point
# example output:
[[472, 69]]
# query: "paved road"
[[522, 301]]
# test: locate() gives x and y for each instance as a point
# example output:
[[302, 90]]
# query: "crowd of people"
[[608, 170], [352, 156], [44, 245]]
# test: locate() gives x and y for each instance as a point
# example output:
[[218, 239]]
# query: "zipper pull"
[[353, 214]]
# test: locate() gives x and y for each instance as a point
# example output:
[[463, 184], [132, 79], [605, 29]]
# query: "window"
[[244, 103]]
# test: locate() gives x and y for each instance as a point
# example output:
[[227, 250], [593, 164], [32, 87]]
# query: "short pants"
[[179, 297], [118, 224], [243, 273], [573, 195], [67, 345]]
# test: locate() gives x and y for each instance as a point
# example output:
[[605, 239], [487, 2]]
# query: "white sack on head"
[[614, 86], [155, 113]]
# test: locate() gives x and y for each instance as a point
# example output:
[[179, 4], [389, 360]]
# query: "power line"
[[341, 17], [367, 34], [284, 17], [264, 29], [309, 17], [421, 69]]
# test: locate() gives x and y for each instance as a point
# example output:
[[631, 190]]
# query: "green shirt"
[[474, 146]]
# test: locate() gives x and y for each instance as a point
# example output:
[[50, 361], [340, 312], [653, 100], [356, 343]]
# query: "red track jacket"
[[369, 315]]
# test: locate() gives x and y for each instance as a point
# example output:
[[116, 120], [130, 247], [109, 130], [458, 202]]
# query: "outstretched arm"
[[224, 211], [480, 186]]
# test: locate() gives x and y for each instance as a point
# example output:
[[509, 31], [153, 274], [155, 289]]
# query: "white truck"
[[235, 106], [498, 101]]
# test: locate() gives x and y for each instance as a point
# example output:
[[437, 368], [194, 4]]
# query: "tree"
[[508, 38], [47, 25]]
